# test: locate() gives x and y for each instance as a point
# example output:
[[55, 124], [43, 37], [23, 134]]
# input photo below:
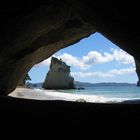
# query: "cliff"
[[58, 76]]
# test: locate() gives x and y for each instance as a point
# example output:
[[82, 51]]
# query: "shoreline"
[[38, 94], [27, 93]]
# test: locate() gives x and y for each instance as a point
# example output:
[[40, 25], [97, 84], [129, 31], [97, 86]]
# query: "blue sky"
[[93, 59]]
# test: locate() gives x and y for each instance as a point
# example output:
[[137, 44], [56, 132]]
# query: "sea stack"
[[58, 76]]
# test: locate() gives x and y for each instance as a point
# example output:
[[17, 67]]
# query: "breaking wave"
[[73, 97]]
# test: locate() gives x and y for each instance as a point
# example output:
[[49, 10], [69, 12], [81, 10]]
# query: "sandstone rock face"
[[32, 32], [58, 76]]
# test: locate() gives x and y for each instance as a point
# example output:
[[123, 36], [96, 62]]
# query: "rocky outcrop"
[[22, 82], [58, 76], [137, 64], [32, 32]]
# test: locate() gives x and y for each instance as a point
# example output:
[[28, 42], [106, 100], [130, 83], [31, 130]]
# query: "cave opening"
[[92, 54], [33, 31], [98, 66]]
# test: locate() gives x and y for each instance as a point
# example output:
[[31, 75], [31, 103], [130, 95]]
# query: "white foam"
[[74, 97], [40, 94]]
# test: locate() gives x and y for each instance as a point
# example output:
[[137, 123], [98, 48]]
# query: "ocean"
[[96, 94]]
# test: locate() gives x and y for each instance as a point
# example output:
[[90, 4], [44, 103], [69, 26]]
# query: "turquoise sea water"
[[107, 93], [96, 93]]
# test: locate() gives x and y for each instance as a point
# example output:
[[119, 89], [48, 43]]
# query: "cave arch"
[[33, 32], [95, 56]]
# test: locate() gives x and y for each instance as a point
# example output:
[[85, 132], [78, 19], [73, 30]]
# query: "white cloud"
[[118, 55], [91, 74], [123, 71], [71, 60], [111, 73], [122, 57], [93, 57]]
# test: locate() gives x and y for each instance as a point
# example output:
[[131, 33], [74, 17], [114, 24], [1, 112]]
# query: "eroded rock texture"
[[138, 71], [58, 76], [32, 32]]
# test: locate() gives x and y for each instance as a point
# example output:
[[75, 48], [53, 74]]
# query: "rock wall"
[[32, 32], [58, 76], [137, 64]]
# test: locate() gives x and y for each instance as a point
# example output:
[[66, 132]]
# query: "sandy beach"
[[27, 93], [39, 94]]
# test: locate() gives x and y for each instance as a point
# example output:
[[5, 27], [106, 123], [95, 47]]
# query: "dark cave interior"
[[33, 31]]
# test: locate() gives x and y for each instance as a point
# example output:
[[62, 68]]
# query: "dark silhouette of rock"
[[138, 83], [23, 80], [81, 100], [58, 76], [80, 88], [137, 64]]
